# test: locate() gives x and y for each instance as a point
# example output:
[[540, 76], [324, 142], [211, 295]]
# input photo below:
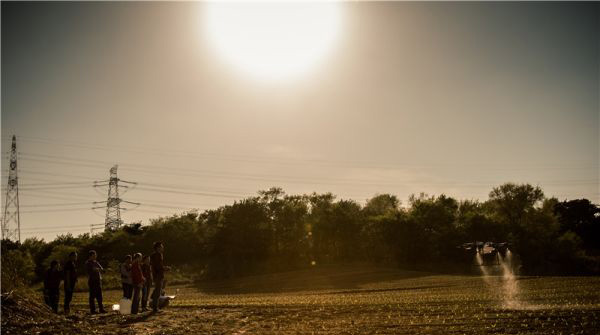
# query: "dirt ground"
[[375, 302]]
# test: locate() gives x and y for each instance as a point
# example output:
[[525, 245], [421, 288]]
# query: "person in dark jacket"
[[147, 273], [70, 271], [51, 285], [94, 271], [126, 281], [158, 273], [137, 278]]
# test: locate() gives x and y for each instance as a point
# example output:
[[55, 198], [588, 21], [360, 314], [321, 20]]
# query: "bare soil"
[[339, 301]]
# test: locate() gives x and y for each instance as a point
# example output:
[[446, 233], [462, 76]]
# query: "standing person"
[[51, 285], [94, 270], [70, 280], [147, 273], [138, 279], [158, 273], [126, 277]]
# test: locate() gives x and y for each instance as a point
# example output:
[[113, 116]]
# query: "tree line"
[[274, 231]]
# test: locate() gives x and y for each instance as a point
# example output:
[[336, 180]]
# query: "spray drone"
[[487, 253]]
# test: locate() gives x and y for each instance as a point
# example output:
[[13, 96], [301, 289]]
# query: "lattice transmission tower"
[[113, 219], [11, 220]]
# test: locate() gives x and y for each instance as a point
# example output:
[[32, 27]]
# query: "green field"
[[369, 301]]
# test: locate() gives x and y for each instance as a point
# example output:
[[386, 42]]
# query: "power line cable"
[[57, 231], [294, 161], [147, 169], [190, 193], [56, 210], [57, 204], [55, 227], [47, 196]]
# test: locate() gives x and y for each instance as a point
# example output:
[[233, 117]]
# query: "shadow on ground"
[[329, 277]]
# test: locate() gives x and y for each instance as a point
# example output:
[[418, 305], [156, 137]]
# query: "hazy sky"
[[451, 98]]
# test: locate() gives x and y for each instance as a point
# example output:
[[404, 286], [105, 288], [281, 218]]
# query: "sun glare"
[[272, 41]]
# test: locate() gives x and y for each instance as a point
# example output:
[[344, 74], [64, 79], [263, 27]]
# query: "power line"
[[55, 174], [54, 227], [62, 193], [371, 183], [34, 189], [166, 206], [146, 202], [57, 210], [54, 231], [57, 204], [289, 160], [166, 187], [44, 194], [190, 193], [150, 169], [54, 183], [160, 212]]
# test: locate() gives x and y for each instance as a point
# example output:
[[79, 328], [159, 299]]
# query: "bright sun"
[[272, 41]]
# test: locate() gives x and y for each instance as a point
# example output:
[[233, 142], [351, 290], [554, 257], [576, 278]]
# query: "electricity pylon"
[[113, 203], [11, 220]]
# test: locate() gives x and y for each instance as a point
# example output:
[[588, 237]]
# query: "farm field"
[[366, 301]]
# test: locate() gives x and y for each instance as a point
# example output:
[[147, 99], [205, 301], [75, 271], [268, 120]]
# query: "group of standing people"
[[52, 283], [138, 275], [137, 278]]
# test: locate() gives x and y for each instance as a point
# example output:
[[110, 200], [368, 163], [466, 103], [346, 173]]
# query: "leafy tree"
[[412, 244], [39, 250], [7, 245], [181, 235], [292, 239], [435, 217], [134, 228], [568, 253], [476, 224], [241, 239], [320, 226], [17, 269], [275, 231], [535, 241], [512, 202], [60, 253], [583, 218], [346, 221], [380, 227], [287, 217], [382, 205]]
